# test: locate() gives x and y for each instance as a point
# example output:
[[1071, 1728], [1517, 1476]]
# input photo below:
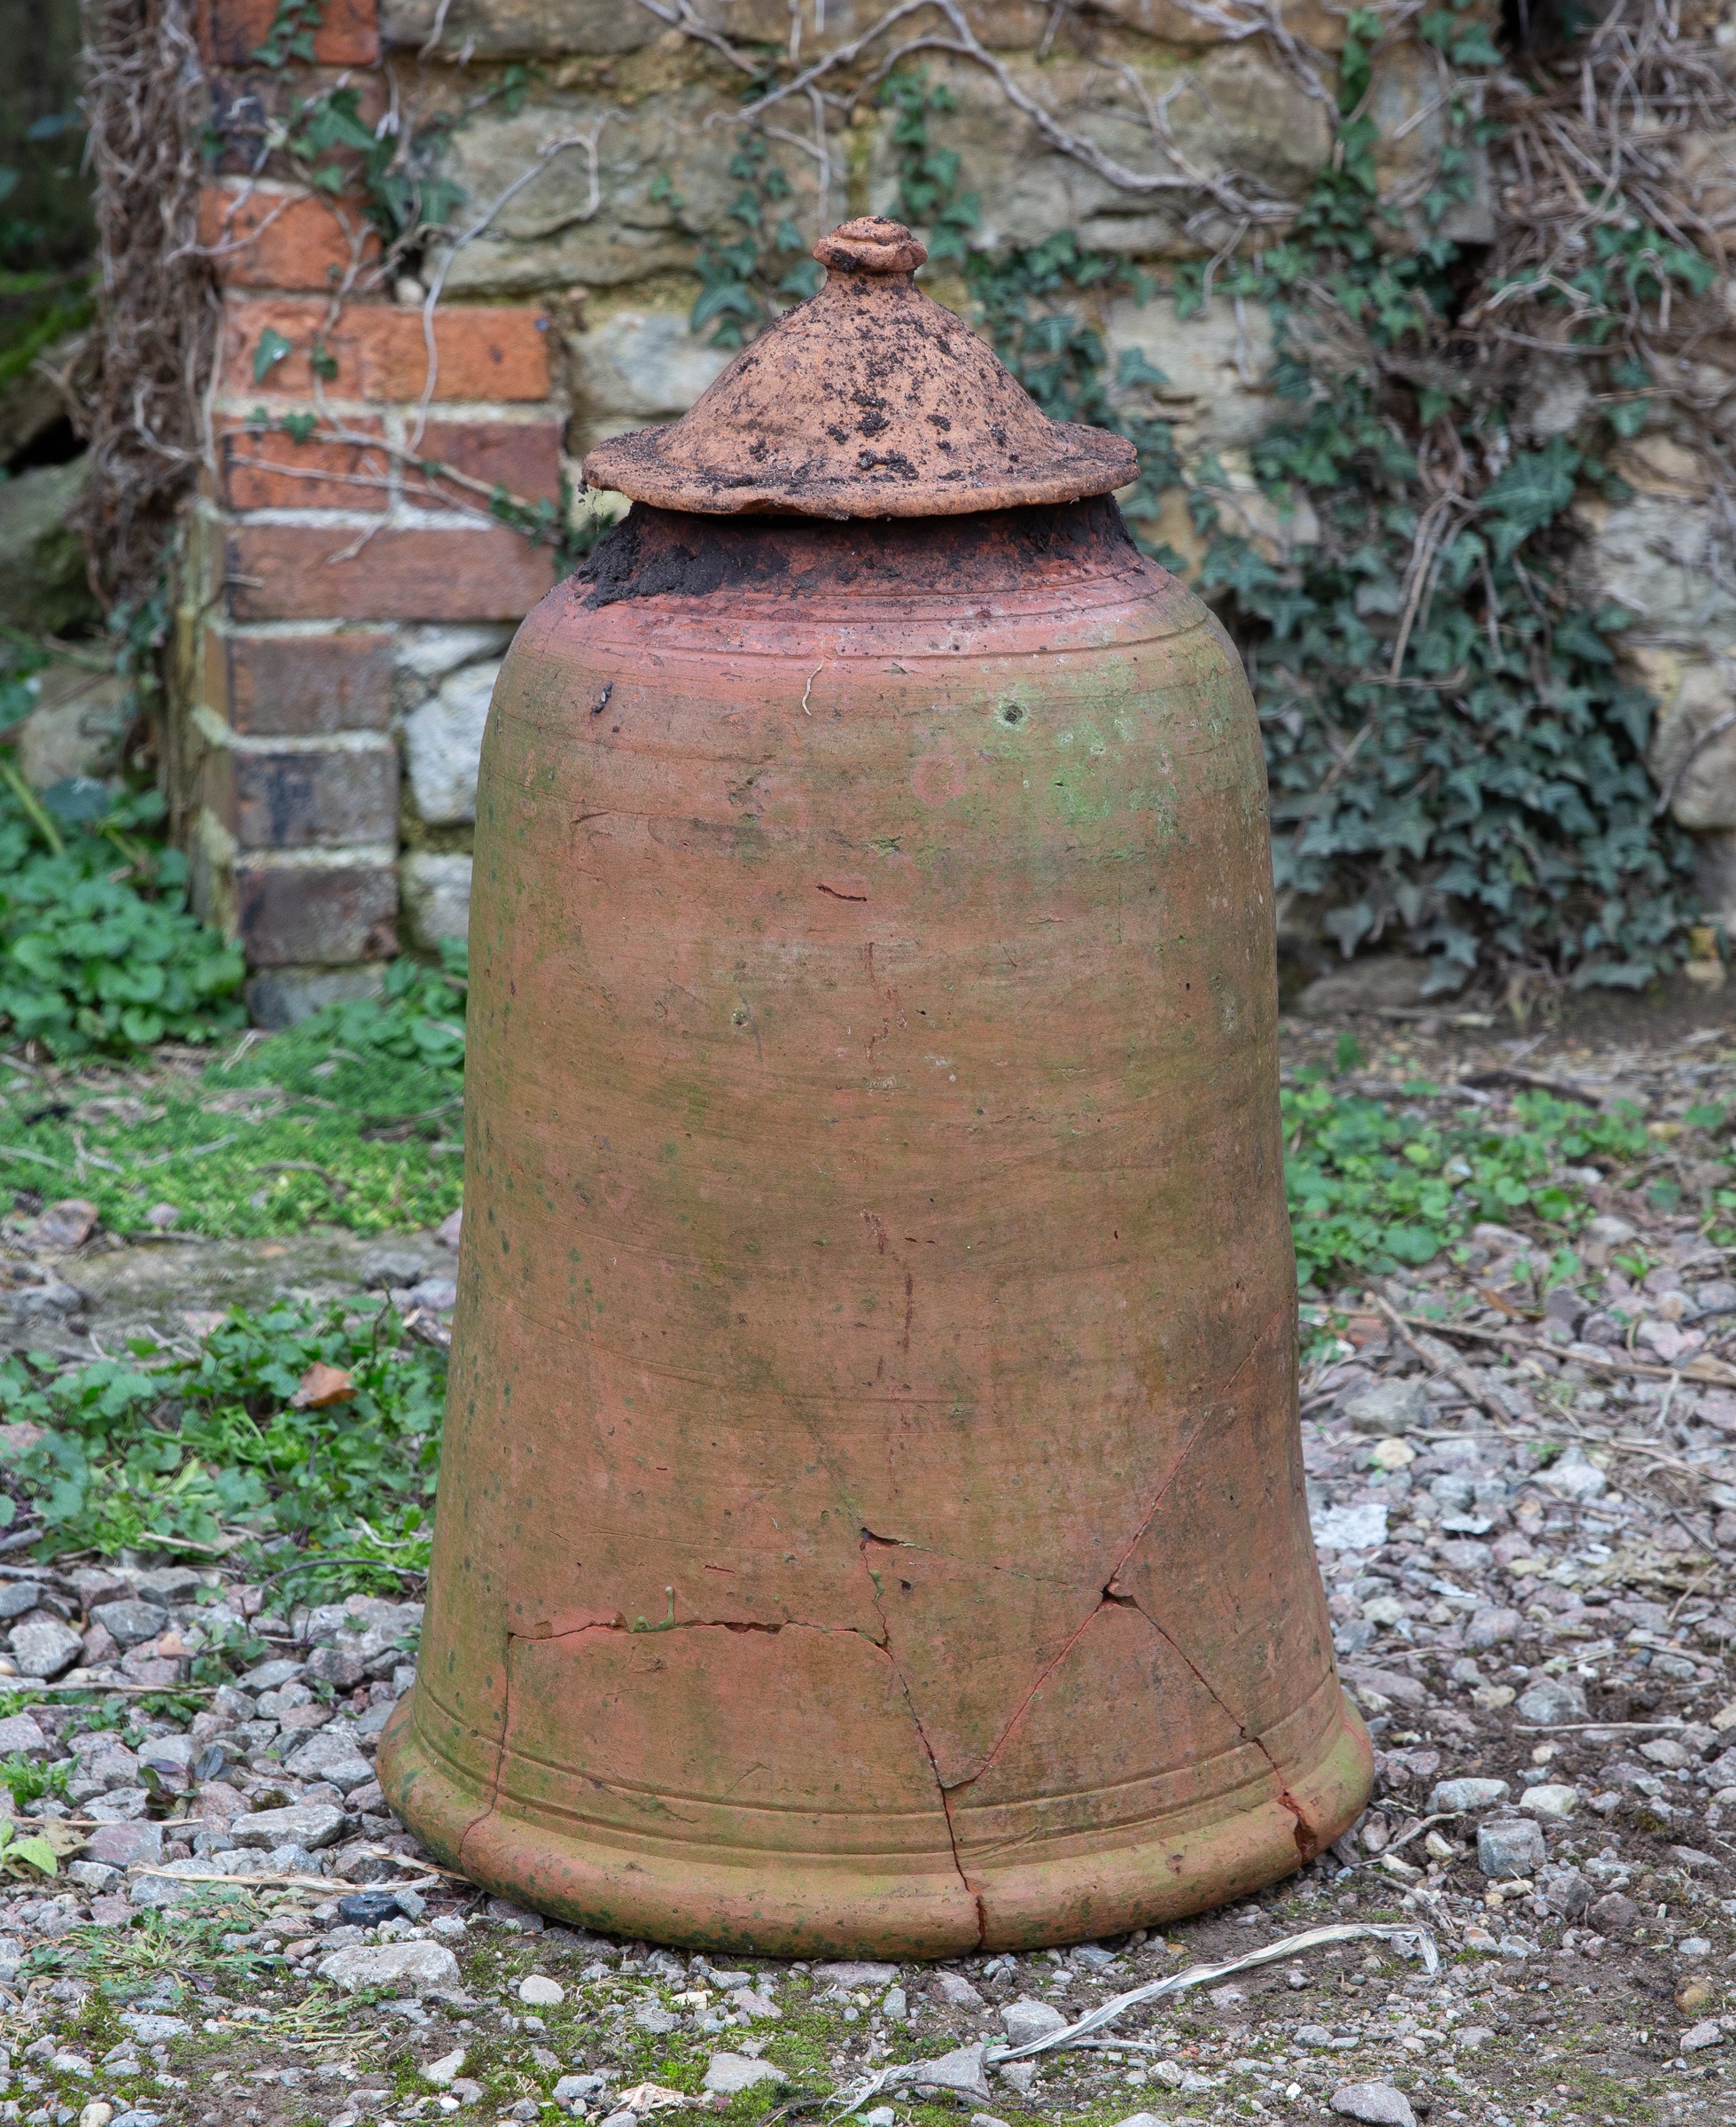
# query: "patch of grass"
[[352, 1118], [208, 1450], [1376, 1185]]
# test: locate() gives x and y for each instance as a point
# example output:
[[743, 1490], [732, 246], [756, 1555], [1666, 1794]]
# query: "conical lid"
[[869, 399]]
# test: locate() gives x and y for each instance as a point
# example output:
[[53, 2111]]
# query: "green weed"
[[99, 951], [26, 1782], [209, 1452], [1373, 1186]]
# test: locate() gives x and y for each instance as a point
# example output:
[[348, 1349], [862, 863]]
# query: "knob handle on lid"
[[874, 244]]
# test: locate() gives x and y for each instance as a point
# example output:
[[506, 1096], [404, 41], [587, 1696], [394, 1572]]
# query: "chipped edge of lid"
[[633, 464]]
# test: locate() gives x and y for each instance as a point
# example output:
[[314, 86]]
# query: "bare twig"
[[906, 2074], [1460, 1376], [589, 139]]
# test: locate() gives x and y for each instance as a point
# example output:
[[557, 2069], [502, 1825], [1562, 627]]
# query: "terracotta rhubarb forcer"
[[872, 1516]]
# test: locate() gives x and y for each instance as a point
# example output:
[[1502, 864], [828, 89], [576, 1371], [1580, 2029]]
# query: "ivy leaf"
[[271, 350], [1472, 48], [1531, 493], [1135, 372]]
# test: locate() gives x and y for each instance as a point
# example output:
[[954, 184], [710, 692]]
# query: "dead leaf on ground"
[[322, 1386]]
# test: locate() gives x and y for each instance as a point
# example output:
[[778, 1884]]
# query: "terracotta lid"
[[869, 399]]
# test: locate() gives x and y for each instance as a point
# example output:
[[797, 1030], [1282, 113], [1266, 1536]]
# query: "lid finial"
[[869, 399], [874, 244]]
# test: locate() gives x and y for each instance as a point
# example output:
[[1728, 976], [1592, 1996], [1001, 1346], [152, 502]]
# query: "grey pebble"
[[1511, 1847]]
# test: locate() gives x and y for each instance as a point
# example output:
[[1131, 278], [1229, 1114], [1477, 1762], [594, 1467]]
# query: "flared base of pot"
[[922, 1905]]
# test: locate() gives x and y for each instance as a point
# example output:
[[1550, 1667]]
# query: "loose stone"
[[1379, 2103], [1509, 1849]]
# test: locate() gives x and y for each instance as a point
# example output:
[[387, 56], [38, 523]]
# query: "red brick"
[[283, 239], [522, 456], [464, 573], [272, 471], [498, 352], [231, 31], [300, 685], [290, 914], [292, 800], [484, 352]]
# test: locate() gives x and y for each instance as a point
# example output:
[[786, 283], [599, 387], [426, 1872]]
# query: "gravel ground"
[[1526, 1514]]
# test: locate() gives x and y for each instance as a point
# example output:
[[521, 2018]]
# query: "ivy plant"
[[745, 279], [1456, 760]]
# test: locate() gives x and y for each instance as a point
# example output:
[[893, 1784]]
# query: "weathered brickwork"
[[327, 558]]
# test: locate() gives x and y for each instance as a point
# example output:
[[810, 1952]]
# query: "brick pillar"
[[309, 557]]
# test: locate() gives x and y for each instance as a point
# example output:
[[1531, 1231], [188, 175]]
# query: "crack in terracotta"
[[1254, 1344], [499, 1774], [1307, 1839], [971, 1889]]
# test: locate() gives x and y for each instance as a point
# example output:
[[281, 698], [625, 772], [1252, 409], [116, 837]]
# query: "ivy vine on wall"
[[1456, 764]]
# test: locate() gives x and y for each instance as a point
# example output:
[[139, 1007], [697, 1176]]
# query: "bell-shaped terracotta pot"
[[872, 1513]]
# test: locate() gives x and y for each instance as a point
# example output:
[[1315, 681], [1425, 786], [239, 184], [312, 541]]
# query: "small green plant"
[[222, 1448], [418, 1018], [928, 196], [1374, 1186], [291, 35], [353, 1118], [26, 1782], [99, 951], [338, 150]]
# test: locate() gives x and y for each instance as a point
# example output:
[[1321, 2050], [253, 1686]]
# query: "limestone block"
[[436, 896], [1004, 25], [1652, 555], [1716, 877], [1656, 463], [491, 28], [76, 726], [1192, 22], [1215, 363], [1707, 168], [559, 29], [1230, 109], [443, 741], [1555, 400], [551, 236], [1690, 756], [281, 997], [1412, 125], [42, 583], [430, 653], [664, 180], [1244, 510], [637, 366]]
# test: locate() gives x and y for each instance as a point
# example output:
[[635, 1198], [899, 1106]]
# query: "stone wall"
[[347, 605]]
